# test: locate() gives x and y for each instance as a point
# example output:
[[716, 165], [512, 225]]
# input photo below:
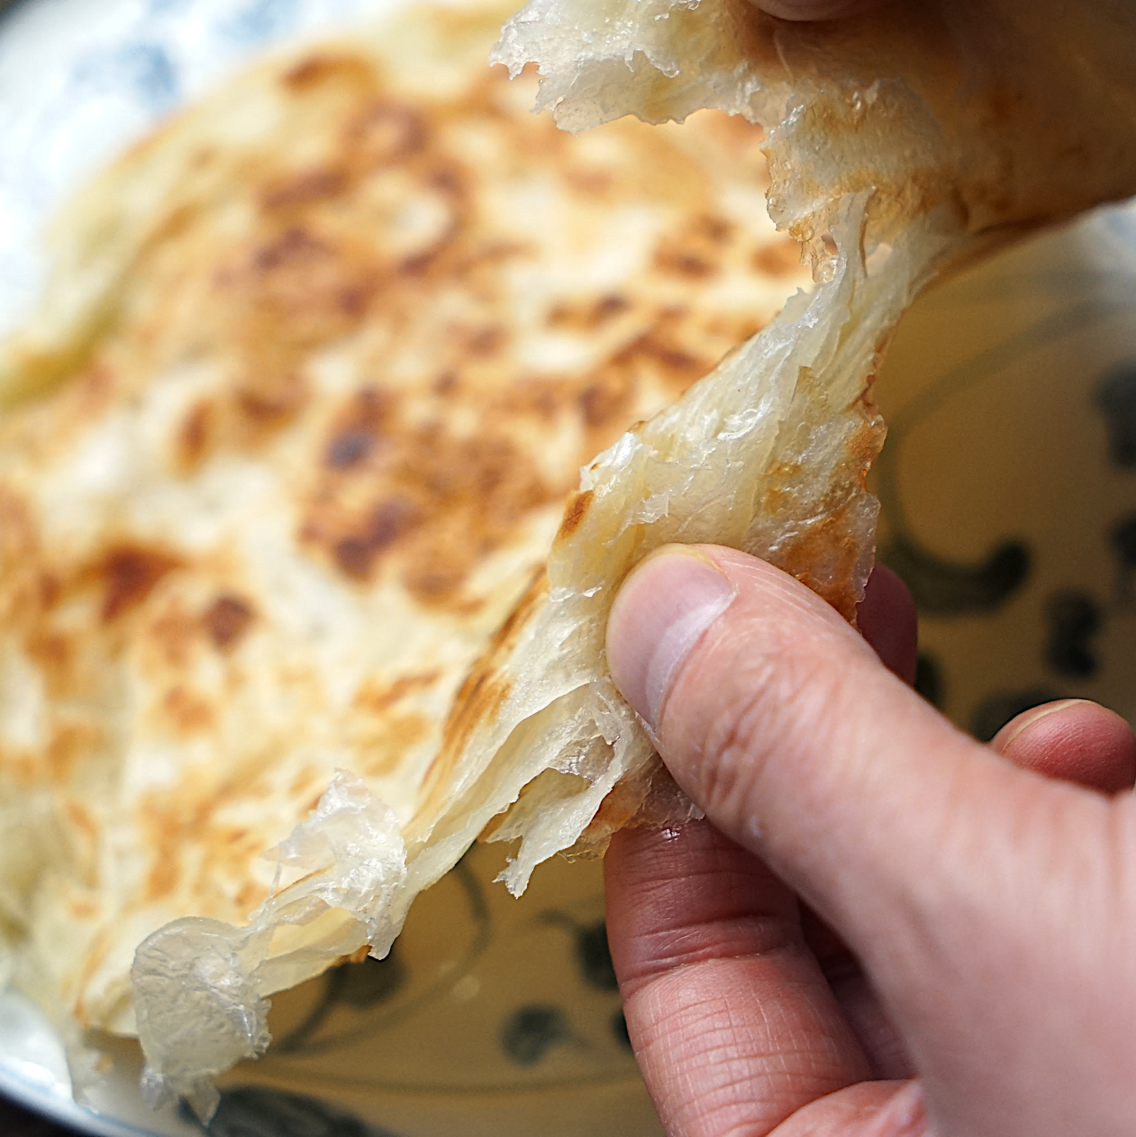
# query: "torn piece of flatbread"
[[901, 142], [289, 438]]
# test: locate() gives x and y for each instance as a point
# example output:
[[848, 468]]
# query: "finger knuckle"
[[776, 705]]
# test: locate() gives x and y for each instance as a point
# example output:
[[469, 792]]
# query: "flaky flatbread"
[[286, 443], [901, 142]]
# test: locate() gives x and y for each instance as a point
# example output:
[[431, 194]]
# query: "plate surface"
[[1008, 482]]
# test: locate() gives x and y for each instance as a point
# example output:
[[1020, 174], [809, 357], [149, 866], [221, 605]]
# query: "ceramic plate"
[[490, 1016], [1009, 493]]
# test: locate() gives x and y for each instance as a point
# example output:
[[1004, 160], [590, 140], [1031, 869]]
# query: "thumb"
[[942, 866], [781, 723]]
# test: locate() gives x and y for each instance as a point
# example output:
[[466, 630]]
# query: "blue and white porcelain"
[[1009, 503]]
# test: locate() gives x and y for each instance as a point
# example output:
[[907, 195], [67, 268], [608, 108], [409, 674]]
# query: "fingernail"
[[661, 612], [1028, 719]]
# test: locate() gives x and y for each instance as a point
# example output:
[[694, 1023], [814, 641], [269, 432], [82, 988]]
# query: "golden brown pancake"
[[288, 440], [387, 517]]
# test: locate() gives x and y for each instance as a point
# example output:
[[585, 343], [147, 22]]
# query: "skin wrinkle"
[[756, 728], [778, 673], [727, 1046], [659, 1004], [710, 940], [713, 1043], [858, 766], [773, 935], [799, 696], [732, 933], [731, 743]]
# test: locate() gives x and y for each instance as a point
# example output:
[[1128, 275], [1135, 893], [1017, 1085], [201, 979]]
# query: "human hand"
[[992, 910]]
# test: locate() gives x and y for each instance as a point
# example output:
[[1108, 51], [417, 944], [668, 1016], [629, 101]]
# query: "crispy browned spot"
[[716, 230], [385, 742], [172, 633], [383, 480], [684, 264], [193, 434], [618, 808], [226, 620], [295, 244], [129, 574], [588, 316], [297, 288], [95, 387], [186, 816], [325, 67], [374, 696], [83, 908], [589, 181], [828, 541], [304, 188], [50, 589], [386, 131], [273, 399], [485, 341], [358, 429], [481, 695], [304, 779], [356, 553], [79, 818], [348, 447], [478, 699], [250, 896], [574, 514], [606, 398], [657, 346], [695, 251], [70, 744], [186, 712], [19, 536], [778, 259], [54, 653], [163, 876]]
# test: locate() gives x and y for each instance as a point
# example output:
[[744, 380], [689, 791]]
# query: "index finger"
[[732, 1021]]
